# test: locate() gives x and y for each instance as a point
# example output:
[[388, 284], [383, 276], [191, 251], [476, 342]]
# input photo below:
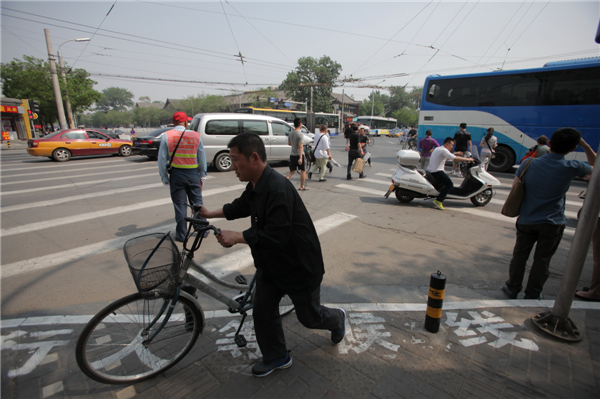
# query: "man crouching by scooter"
[[436, 168]]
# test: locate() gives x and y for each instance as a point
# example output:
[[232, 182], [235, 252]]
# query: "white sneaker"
[[459, 174], [453, 172]]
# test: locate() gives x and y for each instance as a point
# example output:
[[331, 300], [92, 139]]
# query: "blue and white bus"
[[520, 105], [377, 125]]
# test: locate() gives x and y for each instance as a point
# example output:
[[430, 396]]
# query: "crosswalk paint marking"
[[45, 179], [77, 198], [221, 267], [473, 211], [72, 185], [355, 307], [235, 261], [63, 166], [28, 228], [72, 170]]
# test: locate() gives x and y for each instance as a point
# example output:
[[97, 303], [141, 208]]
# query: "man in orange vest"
[[188, 168]]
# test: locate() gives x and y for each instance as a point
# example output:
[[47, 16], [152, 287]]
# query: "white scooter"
[[409, 183]]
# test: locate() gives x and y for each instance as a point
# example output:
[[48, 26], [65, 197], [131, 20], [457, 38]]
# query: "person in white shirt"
[[436, 168], [322, 152]]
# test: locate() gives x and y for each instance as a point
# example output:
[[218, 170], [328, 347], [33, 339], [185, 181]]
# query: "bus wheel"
[[503, 161]]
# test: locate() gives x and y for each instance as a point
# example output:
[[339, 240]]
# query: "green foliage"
[[149, 117], [263, 95], [115, 98], [320, 75], [406, 116], [30, 78], [202, 103]]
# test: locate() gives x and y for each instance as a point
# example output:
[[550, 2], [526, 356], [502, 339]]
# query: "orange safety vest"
[[186, 156]]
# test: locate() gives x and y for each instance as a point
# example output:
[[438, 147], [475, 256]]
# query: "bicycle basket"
[[154, 262]]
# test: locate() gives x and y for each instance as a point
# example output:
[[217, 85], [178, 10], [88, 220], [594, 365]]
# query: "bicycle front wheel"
[[370, 142], [113, 347]]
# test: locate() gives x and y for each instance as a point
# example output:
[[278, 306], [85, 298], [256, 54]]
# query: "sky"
[[138, 45]]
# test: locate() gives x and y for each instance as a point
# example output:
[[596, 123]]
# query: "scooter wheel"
[[402, 197]]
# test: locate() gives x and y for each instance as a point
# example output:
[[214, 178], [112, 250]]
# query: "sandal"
[[303, 188], [579, 295]]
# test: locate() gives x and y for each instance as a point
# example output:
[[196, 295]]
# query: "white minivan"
[[216, 130]]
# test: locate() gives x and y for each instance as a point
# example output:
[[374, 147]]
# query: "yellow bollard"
[[437, 286], [8, 143]]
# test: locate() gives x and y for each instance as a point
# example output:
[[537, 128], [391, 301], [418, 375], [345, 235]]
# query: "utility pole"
[[311, 99], [372, 104], [68, 103], [55, 84]]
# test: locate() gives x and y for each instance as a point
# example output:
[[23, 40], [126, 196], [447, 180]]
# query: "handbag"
[[512, 205], [359, 164], [488, 145]]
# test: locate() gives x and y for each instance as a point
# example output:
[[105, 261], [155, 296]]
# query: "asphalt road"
[[63, 226]]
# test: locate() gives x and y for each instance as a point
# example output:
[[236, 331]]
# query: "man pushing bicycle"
[[286, 251]]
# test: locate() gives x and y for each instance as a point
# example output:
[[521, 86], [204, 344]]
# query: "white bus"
[[377, 124]]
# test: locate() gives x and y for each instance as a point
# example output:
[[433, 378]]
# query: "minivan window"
[[225, 127], [279, 129], [258, 127]]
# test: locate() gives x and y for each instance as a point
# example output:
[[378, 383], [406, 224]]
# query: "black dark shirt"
[[354, 140], [412, 133], [347, 132], [282, 237], [462, 140]]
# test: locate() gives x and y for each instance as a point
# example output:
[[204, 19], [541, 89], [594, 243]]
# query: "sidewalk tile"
[[151, 393], [355, 384], [384, 387], [294, 390], [486, 377], [371, 366]]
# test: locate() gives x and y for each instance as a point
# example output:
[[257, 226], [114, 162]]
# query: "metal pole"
[[579, 248], [311, 99], [372, 104], [67, 101], [557, 322], [55, 84], [341, 125]]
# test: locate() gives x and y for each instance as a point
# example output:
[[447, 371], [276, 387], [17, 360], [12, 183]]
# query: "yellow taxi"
[[64, 144]]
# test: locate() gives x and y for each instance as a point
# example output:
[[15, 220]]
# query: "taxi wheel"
[[125, 150], [61, 155]]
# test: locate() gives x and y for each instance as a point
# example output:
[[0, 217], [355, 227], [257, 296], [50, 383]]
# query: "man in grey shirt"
[[297, 158]]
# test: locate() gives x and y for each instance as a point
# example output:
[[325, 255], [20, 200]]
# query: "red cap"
[[179, 117]]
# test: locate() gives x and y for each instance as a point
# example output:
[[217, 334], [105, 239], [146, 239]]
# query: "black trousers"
[[267, 321], [547, 237], [441, 176], [352, 155]]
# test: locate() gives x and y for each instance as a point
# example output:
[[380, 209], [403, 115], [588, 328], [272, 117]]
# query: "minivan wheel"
[[223, 162]]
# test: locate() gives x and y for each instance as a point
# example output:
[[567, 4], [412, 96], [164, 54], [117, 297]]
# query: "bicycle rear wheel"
[[112, 349]]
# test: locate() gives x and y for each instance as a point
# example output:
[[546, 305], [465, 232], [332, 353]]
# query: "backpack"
[[532, 153]]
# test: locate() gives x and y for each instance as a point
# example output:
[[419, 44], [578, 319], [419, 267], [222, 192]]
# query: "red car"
[[64, 144]]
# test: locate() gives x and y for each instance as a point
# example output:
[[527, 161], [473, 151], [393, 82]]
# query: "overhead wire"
[[234, 39], [385, 44], [94, 34]]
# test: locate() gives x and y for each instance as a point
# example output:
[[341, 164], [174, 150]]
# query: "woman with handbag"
[[355, 154], [488, 143]]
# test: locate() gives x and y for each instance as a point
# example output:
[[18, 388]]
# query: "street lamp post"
[[62, 73], [55, 84]]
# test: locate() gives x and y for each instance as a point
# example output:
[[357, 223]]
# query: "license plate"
[[135, 144], [391, 187]]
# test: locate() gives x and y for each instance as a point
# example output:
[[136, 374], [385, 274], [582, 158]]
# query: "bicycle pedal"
[[241, 280], [240, 341]]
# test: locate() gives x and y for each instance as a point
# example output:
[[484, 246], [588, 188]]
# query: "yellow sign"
[[35, 116]]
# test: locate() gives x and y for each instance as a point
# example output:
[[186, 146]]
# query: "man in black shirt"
[[463, 144], [286, 251], [355, 152]]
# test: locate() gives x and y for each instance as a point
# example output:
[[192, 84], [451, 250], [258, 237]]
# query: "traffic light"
[[30, 114], [35, 106]]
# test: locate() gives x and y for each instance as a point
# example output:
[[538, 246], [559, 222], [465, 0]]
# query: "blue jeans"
[[442, 177], [184, 184]]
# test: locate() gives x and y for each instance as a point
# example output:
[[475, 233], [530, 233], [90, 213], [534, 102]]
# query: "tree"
[[320, 75], [115, 98], [145, 99], [381, 107], [30, 78], [262, 97], [406, 116], [203, 103]]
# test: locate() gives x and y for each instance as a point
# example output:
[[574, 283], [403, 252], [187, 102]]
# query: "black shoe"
[[322, 179], [309, 175], [348, 177], [511, 294], [262, 370], [330, 168], [338, 335], [539, 297], [362, 176]]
